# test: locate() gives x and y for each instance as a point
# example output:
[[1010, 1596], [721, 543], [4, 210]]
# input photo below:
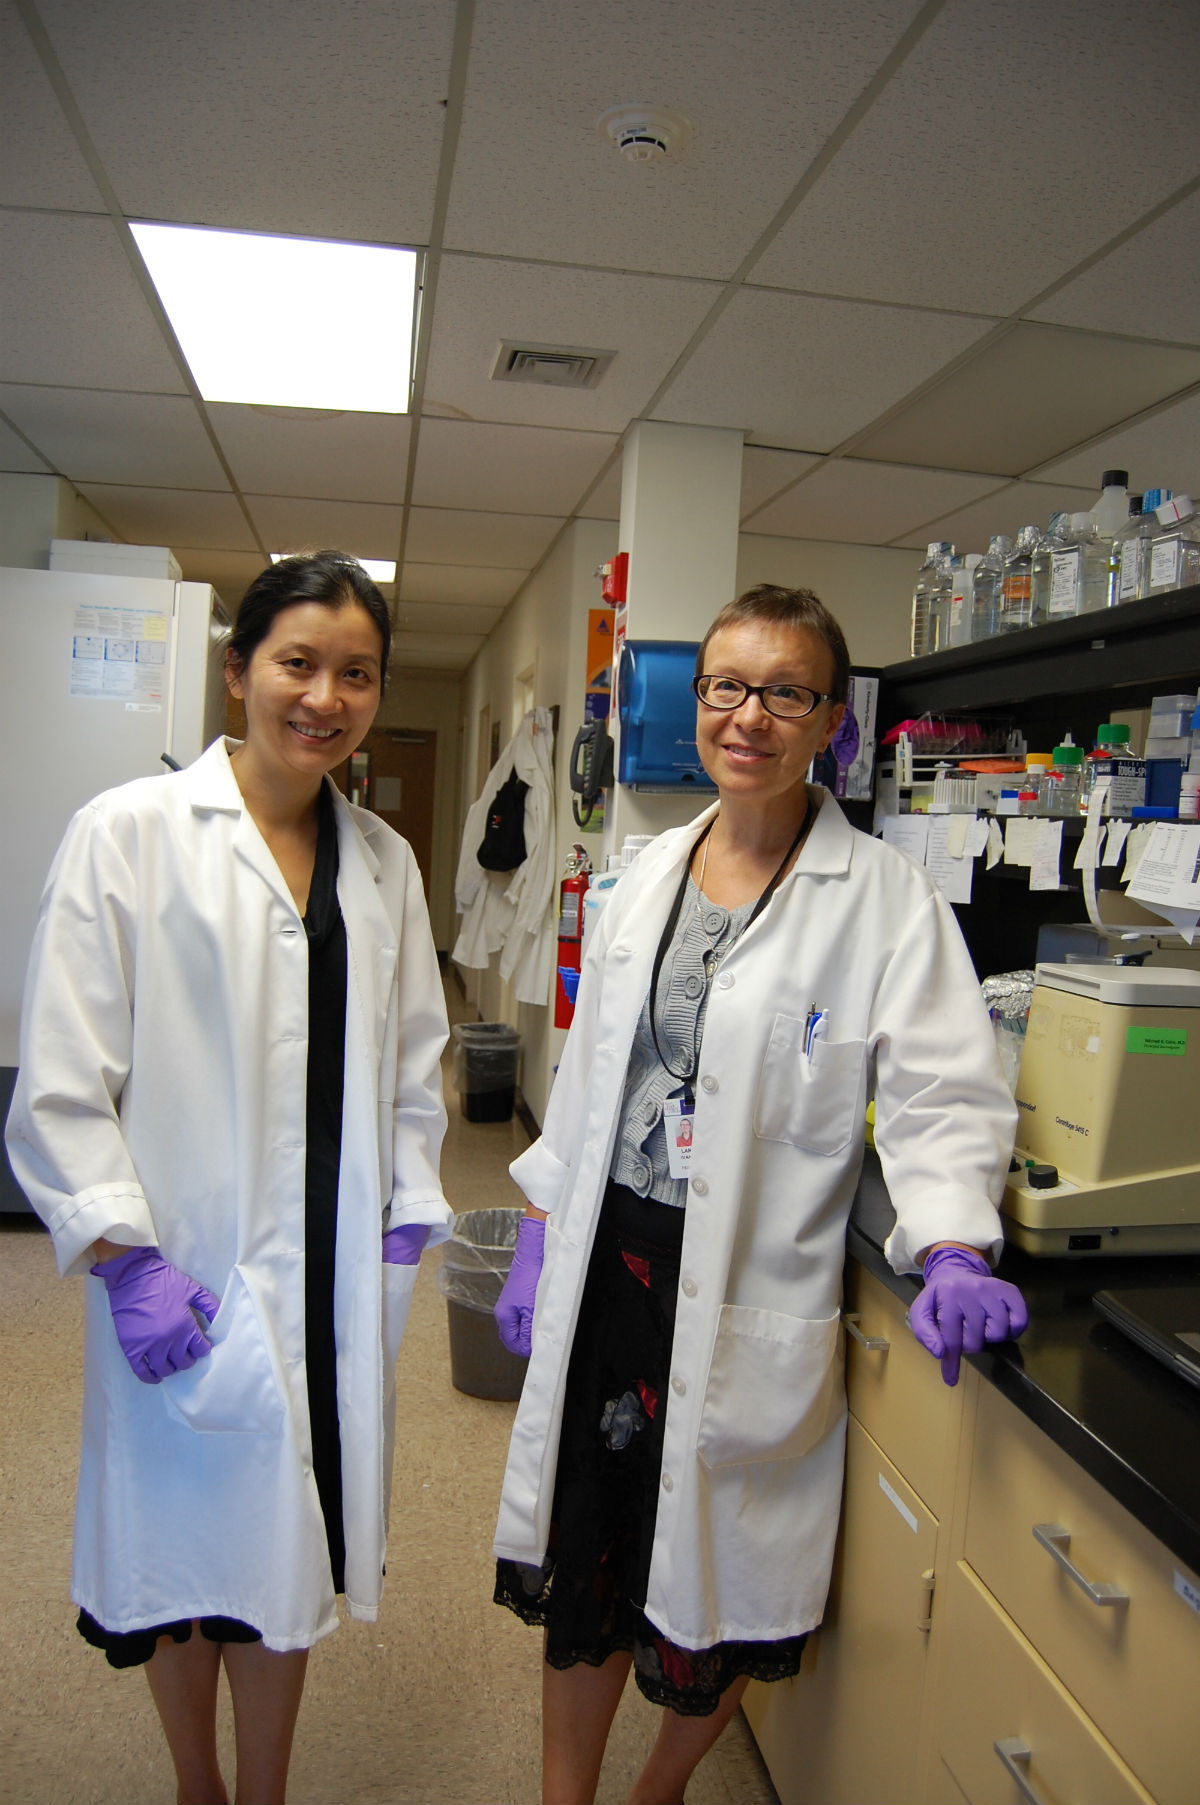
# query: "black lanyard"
[[685, 1078]]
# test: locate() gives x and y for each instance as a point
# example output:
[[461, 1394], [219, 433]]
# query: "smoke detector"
[[645, 134]]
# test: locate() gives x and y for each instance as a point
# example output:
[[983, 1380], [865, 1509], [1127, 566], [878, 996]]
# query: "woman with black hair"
[[229, 1114]]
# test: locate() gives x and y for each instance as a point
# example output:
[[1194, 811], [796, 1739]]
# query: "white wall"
[[544, 629], [868, 587], [36, 509], [434, 705]]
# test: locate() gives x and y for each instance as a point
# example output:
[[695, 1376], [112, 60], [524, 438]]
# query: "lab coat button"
[[668, 1484], [679, 1386], [709, 1083], [726, 981], [689, 1287], [700, 1186]]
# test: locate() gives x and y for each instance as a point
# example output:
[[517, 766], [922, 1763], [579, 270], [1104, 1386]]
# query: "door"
[[401, 786]]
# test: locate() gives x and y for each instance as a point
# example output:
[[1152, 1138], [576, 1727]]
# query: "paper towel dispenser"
[[657, 711]]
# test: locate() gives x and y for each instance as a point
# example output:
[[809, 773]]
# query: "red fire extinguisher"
[[571, 893]]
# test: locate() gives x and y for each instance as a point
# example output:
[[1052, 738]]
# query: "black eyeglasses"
[[790, 701]]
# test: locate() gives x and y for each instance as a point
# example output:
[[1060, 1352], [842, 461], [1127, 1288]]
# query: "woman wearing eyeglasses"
[[671, 1497]]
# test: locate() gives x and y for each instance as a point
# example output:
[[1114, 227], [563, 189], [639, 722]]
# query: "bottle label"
[[1064, 583], [1129, 570], [1164, 564]]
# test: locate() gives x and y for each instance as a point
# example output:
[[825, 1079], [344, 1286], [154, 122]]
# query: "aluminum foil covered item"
[[1008, 995]]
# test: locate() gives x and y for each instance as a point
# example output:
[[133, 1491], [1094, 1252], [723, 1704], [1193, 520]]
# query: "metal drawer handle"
[[1056, 1540], [1013, 1754], [874, 1344]]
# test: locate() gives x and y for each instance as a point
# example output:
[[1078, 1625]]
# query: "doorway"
[[400, 787]]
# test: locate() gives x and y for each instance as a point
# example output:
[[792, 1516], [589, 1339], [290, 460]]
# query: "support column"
[[680, 501]]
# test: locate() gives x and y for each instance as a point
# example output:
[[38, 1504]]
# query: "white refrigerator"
[[99, 677]]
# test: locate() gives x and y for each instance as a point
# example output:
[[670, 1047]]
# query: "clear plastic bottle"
[[1065, 779], [1095, 563], [1174, 557], [1043, 566], [1016, 600], [1112, 741], [962, 613], [931, 598], [1110, 510], [1037, 764], [1129, 569], [987, 588]]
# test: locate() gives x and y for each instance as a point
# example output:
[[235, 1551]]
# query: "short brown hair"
[[794, 608]]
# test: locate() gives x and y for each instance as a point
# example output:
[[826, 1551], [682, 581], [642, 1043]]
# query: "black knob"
[[1043, 1178]]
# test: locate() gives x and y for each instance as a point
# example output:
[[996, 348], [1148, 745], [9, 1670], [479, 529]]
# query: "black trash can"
[[485, 1069], [475, 1264]]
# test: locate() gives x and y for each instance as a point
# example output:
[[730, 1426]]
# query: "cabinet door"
[[845, 1729], [997, 1690]]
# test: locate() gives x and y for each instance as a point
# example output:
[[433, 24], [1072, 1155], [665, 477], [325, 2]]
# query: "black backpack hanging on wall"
[[502, 847]]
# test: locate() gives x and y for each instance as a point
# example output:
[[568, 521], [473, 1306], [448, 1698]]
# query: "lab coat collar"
[[827, 850]]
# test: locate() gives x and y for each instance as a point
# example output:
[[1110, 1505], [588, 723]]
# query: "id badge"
[[677, 1122]]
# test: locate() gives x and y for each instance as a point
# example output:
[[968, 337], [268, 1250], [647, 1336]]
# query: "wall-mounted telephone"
[[591, 768]]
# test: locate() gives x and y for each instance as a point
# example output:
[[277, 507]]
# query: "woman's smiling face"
[[749, 753], [310, 688]]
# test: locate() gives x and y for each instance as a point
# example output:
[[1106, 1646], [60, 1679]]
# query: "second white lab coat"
[[161, 1100], [512, 913], [755, 1411]]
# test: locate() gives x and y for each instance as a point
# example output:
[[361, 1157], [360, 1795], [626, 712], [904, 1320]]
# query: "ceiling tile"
[[480, 301], [1015, 141], [299, 451], [15, 453], [805, 374], [866, 504], [762, 86], [40, 163], [445, 617], [477, 585], [73, 311], [1162, 452], [172, 517], [1006, 511], [454, 536], [363, 529], [1149, 286], [766, 472], [230, 573], [604, 502], [509, 469], [1032, 393], [286, 116], [94, 435], [433, 651]]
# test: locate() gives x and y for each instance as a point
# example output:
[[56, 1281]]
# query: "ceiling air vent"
[[559, 366]]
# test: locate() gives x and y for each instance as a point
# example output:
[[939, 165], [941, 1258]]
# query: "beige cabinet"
[[1000, 1631]]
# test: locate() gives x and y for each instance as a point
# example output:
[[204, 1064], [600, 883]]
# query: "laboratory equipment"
[[1108, 1141]]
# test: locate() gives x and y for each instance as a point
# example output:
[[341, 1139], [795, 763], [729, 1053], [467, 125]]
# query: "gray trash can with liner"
[[485, 1069], [475, 1264]]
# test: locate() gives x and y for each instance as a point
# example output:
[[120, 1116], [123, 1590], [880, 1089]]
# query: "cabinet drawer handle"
[[1013, 1755], [874, 1344], [1056, 1540]]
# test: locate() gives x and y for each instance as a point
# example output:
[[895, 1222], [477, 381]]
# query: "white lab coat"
[[512, 913], [755, 1412], [161, 1099]]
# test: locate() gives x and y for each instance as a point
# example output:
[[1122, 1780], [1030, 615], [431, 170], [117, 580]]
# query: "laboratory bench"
[[1014, 1615]]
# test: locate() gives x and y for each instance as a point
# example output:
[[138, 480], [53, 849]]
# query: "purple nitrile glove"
[[514, 1306], [404, 1246], [845, 742], [963, 1307], [152, 1304]]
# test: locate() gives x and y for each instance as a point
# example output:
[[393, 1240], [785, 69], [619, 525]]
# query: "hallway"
[[435, 1704]]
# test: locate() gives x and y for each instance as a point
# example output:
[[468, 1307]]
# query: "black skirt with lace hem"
[[590, 1593], [133, 1648]]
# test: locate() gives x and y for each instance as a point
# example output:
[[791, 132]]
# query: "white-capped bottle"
[[1174, 560], [1110, 510], [1130, 571], [1016, 601], [933, 584], [987, 588]]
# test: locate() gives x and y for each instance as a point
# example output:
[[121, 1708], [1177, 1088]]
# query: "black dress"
[[326, 932]]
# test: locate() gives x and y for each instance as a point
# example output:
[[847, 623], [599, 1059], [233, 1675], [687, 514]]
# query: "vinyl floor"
[[435, 1704]]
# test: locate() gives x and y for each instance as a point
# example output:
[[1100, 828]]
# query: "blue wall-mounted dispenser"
[[657, 711]]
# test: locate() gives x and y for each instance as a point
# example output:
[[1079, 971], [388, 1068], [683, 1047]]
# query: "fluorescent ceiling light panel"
[[380, 570], [287, 322]]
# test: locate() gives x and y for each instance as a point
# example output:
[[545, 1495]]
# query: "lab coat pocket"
[[398, 1284], [233, 1389], [813, 1100], [773, 1387]]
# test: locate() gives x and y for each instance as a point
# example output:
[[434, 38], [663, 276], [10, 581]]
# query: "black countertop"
[[1127, 1420]]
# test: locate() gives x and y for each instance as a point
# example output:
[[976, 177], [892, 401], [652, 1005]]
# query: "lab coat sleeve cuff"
[[433, 1211], [541, 1175], [112, 1212], [953, 1213]]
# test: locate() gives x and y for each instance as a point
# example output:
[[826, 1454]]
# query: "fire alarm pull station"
[[615, 578]]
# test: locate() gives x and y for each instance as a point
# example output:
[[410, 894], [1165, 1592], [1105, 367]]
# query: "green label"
[[1156, 1040]]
